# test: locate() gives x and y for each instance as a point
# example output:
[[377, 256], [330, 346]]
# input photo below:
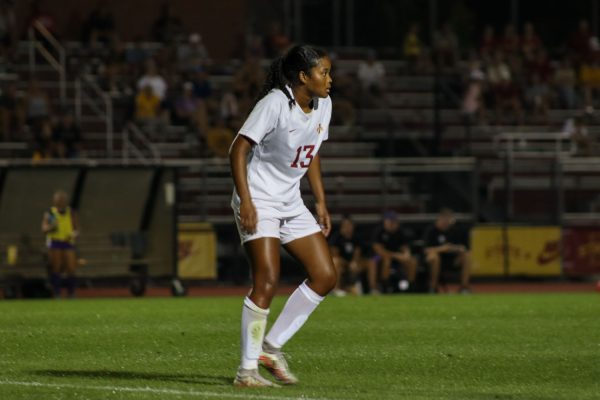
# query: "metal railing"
[[132, 134], [99, 102], [534, 144], [58, 64]]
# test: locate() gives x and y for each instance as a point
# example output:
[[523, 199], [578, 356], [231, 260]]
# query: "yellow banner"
[[487, 251], [531, 250], [534, 250], [197, 251]]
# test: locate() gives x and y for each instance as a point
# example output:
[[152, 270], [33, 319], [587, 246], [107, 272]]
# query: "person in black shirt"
[[444, 248], [347, 256], [392, 252]]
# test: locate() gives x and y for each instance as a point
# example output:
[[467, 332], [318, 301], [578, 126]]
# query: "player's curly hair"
[[285, 70]]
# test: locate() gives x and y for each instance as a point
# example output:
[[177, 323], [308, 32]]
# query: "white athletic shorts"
[[272, 223]]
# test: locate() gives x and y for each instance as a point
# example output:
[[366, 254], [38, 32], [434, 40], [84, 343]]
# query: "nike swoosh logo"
[[292, 130]]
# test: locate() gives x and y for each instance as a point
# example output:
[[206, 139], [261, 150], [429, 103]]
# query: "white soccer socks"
[[254, 322], [294, 314]]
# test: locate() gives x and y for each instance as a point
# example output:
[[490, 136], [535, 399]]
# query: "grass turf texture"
[[410, 347]]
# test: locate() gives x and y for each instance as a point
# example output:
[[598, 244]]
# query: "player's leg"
[[372, 267], [263, 255], [464, 259], [409, 263], [341, 267], [313, 253], [69, 260], [434, 262], [386, 270], [55, 261]]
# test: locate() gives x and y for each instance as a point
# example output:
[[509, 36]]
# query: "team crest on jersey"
[[319, 129]]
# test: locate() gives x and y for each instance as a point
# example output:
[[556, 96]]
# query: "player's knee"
[[265, 288], [328, 280], [433, 259]]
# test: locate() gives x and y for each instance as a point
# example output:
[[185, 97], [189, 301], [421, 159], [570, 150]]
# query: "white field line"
[[147, 389]]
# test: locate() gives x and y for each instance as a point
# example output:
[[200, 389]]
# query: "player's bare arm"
[[238, 154], [316, 185]]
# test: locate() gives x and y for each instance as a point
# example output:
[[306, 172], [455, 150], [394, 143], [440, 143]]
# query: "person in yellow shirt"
[[412, 47], [147, 105], [61, 226]]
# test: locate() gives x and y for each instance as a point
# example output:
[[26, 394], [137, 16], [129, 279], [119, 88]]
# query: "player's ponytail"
[[284, 70]]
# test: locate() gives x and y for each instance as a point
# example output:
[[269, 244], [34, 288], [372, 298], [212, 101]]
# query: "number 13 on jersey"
[[308, 156]]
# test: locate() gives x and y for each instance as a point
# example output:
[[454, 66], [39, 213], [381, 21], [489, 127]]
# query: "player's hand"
[[248, 217], [324, 219]]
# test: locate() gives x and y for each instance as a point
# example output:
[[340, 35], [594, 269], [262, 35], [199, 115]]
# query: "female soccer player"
[[276, 146], [61, 226]]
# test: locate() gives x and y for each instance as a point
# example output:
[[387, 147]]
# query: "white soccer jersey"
[[286, 142]]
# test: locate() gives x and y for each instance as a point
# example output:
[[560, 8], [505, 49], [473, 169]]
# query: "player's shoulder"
[[275, 97]]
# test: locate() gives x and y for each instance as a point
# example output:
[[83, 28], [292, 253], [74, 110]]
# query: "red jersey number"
[[308, 149]]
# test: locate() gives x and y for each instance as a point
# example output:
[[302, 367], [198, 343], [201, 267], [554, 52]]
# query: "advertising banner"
[[531, 250], [581, 246], [197, 251]]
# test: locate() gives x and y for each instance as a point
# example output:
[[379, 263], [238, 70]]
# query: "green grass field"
[[538, 346]]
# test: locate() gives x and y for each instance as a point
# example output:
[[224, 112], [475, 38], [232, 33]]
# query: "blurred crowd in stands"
[[511, 77]]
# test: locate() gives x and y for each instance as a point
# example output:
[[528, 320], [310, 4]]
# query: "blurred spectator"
[[135, 56], [446, 248], [489, 43], [579, 43], [412, 47], [99, 27], [348, 259], [37, 104], [60, 224], [229, 109], [254, 47], [249, 78], [538, 97], [392, 254], [473, 107], [540, 65], [565, 81], [113, 68], [167, 27], [510, 41], [67, 137], [8, 32], [589, 76], [531, 43], [154, 80], [11, 113], [39, 14], [202, 86], [370, 74], [44, 147], [576, 129], [189, 110], [506, 93], [147, 106], [276, 41], [445, 46], [219, 138], [192, 55]]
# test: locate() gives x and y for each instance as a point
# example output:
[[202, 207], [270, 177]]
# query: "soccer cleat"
[[274, 361], [251, 378]]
